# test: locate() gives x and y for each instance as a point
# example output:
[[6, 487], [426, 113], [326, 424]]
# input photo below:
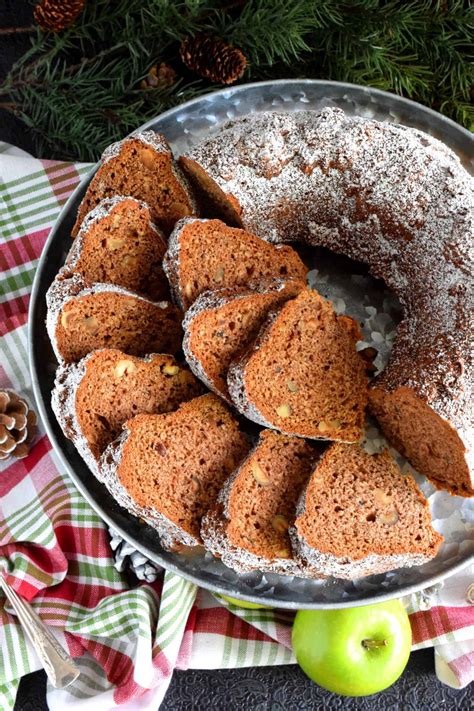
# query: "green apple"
[[243, 603], [353, 651]]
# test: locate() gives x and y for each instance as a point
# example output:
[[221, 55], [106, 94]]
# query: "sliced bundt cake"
[[396, 199], [248, 526], [168, 469], [360, 516], [93, 398], [207, 254], [220, 323], [143, 167], [83, 317], [302, 375], [118, 244]]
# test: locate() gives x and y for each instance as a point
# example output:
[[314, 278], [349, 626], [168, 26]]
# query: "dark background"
[[283, 688]]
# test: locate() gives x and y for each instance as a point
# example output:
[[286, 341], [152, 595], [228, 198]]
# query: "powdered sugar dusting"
[[390, 196], [63, 402], [240, 559], [350, 569], [150, 138]]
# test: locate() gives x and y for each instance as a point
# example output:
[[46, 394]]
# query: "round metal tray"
[[184, 126]]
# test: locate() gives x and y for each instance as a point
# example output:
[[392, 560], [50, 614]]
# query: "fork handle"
[[57, 663]]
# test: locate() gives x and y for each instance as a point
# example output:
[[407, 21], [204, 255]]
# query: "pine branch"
[[17, 30], [76, 100]]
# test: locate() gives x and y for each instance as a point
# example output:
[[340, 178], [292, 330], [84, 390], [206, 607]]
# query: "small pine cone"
[[57, 15], [213, 59], [159, 77], [17, 425]]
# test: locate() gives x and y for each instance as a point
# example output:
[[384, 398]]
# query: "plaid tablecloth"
[[56, 553]]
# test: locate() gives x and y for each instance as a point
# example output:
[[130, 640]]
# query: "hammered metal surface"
[[282, 688], [183, 127]]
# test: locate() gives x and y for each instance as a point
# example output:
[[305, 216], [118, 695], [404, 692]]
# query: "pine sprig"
[[288, 24], [80, 89]]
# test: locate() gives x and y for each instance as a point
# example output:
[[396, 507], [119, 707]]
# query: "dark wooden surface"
[[283, 688]]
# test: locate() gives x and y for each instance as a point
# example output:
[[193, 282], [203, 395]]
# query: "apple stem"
[[374, 643]]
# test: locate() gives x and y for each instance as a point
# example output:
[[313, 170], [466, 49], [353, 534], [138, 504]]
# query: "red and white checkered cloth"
[[56, 551]]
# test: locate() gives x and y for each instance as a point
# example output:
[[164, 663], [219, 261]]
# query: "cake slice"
[[84, 317], [213, 201], [142, 166], [119, 244], [221, 323], [204, 255], [93, 398], [168, 469], [248, 526], [360, 516], [302, 375]]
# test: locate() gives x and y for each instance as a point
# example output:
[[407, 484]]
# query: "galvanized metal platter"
[[183, 127]]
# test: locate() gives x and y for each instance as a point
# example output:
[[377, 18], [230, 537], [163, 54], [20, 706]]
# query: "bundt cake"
[[248, 526], [93, 398], [141, 166], [118, 244], [83, 317], [302, 376], [223, 322], [207, 254], [383, 194], [168, 469], [360, 516], [396, 199]]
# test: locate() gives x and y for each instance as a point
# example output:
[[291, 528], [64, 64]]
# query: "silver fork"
[[56, 662]]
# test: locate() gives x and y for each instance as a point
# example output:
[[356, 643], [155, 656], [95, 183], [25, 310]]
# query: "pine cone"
[[213, 59], [159, 77], [127, 557], [17, 425], [56, 15]]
